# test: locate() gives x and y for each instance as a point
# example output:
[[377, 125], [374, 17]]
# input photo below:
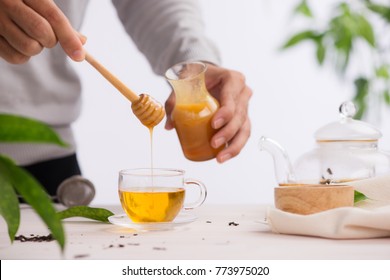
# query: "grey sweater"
[[47, 87]]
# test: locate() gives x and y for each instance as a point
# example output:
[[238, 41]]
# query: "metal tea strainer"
[[75, 191]]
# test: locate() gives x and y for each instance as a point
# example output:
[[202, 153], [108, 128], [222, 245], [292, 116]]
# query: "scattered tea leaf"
[[98, 214], [35, 238], [159, 248], [81, 256]]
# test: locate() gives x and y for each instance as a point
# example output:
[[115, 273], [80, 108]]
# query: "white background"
[[292, 97]]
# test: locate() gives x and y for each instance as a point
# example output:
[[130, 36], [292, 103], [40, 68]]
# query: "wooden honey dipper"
[[147, 110]]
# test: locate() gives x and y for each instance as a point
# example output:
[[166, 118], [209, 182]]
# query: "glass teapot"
[[347, 150]]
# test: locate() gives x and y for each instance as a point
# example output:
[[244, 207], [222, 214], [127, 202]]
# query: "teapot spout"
[[283, 169]]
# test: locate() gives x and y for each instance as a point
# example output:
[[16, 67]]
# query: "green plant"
[[16, 181], [353, 31]]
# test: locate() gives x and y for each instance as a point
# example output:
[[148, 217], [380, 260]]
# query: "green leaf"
[[386, 96], [303, 9], [358, 196], [321, 51], [382, 72], [98, 214], [349, 25], [21, 129], [344, 8], [299, 37], [34, 194], [364, 29], [362, 86], [381, 10], [9, 206], [341, 33]]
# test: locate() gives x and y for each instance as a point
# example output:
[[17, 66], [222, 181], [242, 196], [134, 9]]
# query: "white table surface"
[[210, 237]]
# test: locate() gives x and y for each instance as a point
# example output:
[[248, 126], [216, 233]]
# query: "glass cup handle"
[[202, 197]]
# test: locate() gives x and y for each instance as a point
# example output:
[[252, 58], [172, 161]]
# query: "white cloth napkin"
[[368, 219]]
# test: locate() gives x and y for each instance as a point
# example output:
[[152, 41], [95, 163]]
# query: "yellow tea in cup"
[[156, 195], [152, 204]]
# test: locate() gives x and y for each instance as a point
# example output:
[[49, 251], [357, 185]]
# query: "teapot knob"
[[347, 109]]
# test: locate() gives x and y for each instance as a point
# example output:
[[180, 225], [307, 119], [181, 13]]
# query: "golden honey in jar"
[[193, 110]]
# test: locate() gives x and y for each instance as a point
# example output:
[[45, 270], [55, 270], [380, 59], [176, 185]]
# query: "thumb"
[[169, 105]]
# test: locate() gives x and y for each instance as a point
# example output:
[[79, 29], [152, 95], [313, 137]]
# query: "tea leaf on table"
[[21, 129], [34, 194], [98, 214], [9, 205], [358, 196]]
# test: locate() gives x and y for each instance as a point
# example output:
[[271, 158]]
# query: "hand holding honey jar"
[[209, 110]]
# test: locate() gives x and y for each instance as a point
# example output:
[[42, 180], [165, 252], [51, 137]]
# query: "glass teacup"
[[156, 195]]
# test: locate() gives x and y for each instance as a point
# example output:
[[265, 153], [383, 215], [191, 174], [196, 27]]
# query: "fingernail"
[[225, 157], [169, 126], [78, 55], [83, 38], [219, 142], [218, 123]]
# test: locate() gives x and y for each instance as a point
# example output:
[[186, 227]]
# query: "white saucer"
[[124, 221]]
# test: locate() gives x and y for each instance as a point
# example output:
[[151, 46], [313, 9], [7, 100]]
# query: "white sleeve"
[[167, 31]]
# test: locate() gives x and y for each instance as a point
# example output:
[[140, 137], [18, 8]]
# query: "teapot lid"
[[347, 129]]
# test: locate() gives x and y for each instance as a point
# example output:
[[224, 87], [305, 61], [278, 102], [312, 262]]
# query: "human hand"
[[28, 26], [232, 120]]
